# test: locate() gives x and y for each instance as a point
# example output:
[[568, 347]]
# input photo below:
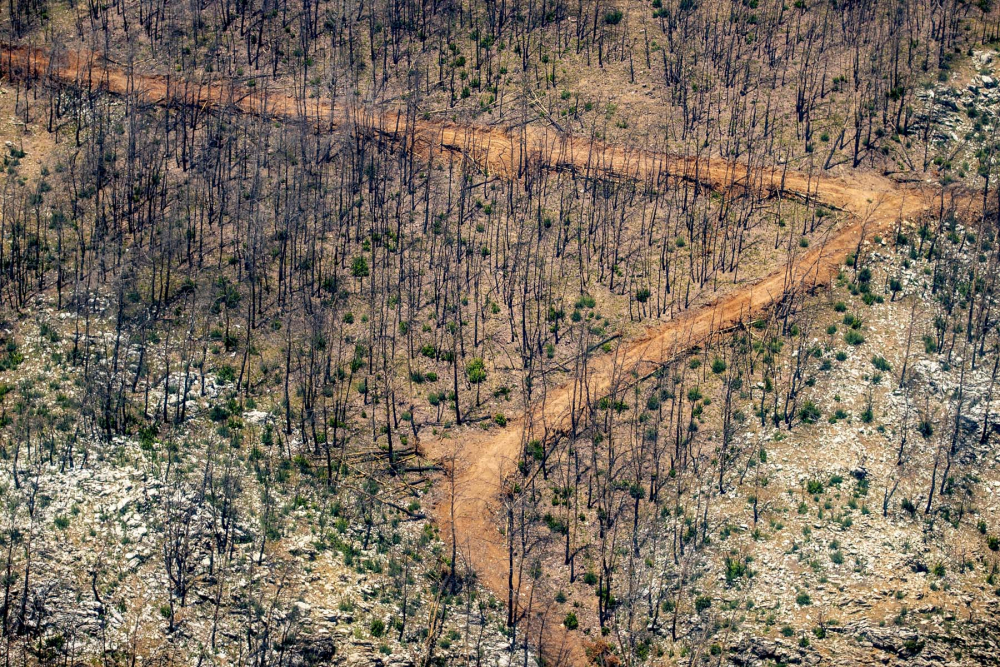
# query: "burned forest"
[[499, 333]]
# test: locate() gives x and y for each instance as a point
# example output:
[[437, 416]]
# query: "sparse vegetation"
[[322, 341]]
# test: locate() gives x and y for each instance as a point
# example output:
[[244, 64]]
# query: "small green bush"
[[880, 363], [359, 267], [853, 337], [226, 374], [809, 413]]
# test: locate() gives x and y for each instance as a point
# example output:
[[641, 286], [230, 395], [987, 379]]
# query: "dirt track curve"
[[483, 461]]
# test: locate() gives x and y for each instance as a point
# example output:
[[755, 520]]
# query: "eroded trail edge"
[[482, 462]]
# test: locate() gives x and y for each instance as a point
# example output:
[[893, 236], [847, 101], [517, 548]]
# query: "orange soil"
[[481, 463]]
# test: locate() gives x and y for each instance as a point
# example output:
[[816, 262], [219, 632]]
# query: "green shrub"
[[218, 413], [880, 363], [809, 413], [476, 370], [226, 374], [735, 569], [359, 267], [853, 337]]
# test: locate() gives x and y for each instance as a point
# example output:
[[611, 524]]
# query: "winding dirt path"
[[481, 462]]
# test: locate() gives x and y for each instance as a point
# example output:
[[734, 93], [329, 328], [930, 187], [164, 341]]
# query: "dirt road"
[[483, 462], [497, 150]]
